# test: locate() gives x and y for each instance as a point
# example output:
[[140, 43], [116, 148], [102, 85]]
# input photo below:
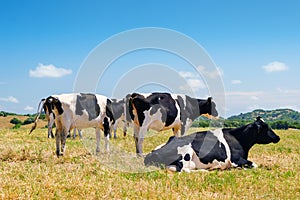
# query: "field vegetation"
[[29, 169]]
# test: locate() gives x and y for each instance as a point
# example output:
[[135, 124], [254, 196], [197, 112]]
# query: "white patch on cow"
[[219, 134], [254, 165], [188, 124], [188, 165], [152, 121], [159, 146]]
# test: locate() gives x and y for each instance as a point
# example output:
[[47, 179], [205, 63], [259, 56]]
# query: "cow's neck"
[[245, 136]]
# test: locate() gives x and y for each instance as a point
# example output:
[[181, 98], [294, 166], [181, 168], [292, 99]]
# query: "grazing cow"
[[214, 149], [79, 111], [162, 111], [119, 110]]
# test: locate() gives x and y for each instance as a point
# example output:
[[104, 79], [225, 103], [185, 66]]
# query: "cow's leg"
[[115, 130], [58, 136], [50, 133], [74, 133], [106, 127], [98, 140], [80, 133], [137, 140], [63, 140], [125, 128], [185, 125]]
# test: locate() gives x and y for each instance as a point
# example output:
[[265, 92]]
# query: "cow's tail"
[[39, 111]]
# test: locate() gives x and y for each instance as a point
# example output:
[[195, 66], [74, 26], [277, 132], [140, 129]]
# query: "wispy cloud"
[[217, 72], [236, 82], [9, 99], [28, 108], [275, 67], [49, 71], [239, 93]]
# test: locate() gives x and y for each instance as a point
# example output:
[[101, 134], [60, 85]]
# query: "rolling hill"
[[269, 115]]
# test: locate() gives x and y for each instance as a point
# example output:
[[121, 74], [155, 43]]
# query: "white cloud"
[[185, 74], [254, 98], [28, 108], [217, 72], [275, 67], [9, 99], [196, 84], [48, 71], [236, 82], [193, 84]]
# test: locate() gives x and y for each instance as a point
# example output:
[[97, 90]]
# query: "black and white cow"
[[119, 110], [162, 111], [79, 110], [214, 149]]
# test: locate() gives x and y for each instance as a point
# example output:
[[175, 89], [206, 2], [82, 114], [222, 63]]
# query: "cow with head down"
[[162, 111], [213, 149], [78, 110]]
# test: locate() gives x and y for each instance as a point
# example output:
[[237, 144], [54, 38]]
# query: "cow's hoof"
[[140, 155]]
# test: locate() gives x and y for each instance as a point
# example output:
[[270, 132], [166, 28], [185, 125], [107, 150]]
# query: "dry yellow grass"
[[29, 169]]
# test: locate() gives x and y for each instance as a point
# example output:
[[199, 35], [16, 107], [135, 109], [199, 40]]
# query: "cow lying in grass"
[[215, 149]]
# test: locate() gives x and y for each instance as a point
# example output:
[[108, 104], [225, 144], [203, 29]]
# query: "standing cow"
[[79, 110], [119, 110], [162, 111], [215, 149]]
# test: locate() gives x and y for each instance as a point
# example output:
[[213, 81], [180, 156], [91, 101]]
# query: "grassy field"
[[29, 169]]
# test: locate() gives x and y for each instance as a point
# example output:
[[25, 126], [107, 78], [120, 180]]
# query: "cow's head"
[[51, 103], [208, 107], [264, 134]]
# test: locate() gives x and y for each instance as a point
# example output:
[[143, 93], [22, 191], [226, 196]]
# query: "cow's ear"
[[257, 123], [209, 99]]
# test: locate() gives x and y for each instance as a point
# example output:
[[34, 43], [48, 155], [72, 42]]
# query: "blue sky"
[[255, 45]]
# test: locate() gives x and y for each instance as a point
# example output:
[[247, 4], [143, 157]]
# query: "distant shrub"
[[3, 114], [29, 120], [15, 121], [16, 126]]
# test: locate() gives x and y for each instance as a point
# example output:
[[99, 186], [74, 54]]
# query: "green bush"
[[16, 126], [29, 120], [15, 121]]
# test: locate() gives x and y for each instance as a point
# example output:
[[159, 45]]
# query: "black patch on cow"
[[106, 126], [187, 157], [128, 115], [109, 111], [117, 108], [89, 103], [52, 102], [140, 104], [164, 103], [207, 107]]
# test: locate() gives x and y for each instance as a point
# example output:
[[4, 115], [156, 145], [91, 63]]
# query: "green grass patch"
[[29, 169]]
